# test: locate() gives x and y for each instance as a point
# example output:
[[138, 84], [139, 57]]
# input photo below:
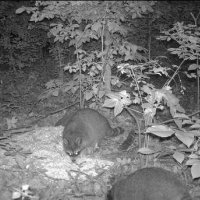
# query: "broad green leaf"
[[178, 123], [195, 126], [193, 67], [189, 122], [96, 26], [192, 162], [185, 138], [194, 133], [146, 151], [118, 108], [110, 103], [16, 195], [195, 171], [181, 115], [160, 130], [20, 10], [179, 157], [88, 95]]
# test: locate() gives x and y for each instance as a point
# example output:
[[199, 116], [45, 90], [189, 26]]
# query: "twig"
[[139, 131], [18, 130], [30, 127], [54, 112], [170, 120]]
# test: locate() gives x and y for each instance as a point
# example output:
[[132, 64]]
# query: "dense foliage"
[[106, 42]]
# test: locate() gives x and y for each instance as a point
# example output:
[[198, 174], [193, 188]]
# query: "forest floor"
[[30, 143]]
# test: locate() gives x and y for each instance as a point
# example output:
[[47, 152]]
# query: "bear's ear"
[[78, 141], [65, 141]]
